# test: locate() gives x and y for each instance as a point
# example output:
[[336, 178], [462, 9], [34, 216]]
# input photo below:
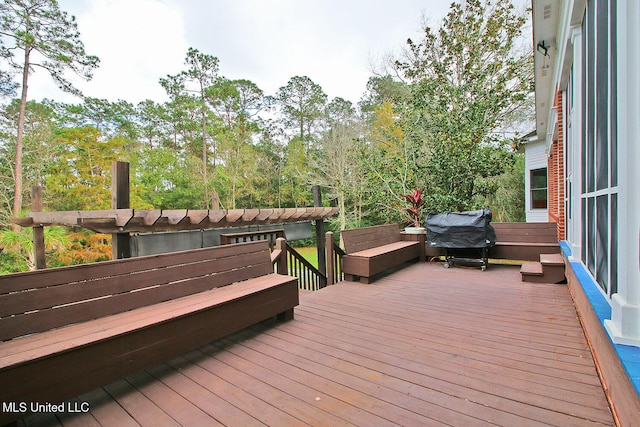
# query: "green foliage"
[[17, 247], [338, 165], [40, 36], [393, 162], [507, 198], [166, 181], [466, 78], [437, 129], [302, 103], [80, 177], [38, 150], [293, 188]]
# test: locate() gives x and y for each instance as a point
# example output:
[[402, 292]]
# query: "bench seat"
[[62, 363], [379, 248], [523, 251], [49, 361], [524, 240], [37, 346]]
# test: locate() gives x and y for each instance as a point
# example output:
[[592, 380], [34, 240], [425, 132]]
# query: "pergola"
[[121, 221]]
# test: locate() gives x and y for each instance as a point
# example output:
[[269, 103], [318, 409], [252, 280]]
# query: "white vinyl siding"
[[535, 158]]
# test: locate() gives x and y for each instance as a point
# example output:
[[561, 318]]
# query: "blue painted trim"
[[629, 355], [566, 249]]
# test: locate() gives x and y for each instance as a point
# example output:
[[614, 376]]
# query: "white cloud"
[[137, 43]]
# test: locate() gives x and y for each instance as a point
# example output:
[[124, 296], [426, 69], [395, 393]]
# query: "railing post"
[[330, 257], [281, 264]]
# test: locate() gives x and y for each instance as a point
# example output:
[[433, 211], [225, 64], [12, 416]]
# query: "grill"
[[465, 236]]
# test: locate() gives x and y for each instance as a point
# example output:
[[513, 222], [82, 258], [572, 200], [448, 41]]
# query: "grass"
[[310, 253]]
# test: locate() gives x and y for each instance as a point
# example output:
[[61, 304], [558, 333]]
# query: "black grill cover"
[[460, 230]]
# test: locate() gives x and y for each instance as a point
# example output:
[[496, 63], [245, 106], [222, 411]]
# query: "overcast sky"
[[334, 42]]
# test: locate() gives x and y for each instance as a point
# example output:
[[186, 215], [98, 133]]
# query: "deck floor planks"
[[106, 415], [298, 399], [173, 375], [541, 380], [447, 344], [439, 405], [459, 370], [297, 410], [412, 378], [293, 379], [144, 411], [217, 382], [398, 406], [403, 328], [472, 378], [171, 402], [477, 345], [332, 383], [422, 346], [472, 324]]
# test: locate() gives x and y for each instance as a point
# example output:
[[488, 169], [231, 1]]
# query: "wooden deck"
[[422, 346]]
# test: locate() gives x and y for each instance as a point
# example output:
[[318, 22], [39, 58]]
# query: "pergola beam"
[[140, 221]]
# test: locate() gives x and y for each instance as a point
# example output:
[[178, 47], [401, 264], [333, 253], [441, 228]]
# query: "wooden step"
[[549, 270], [531, 269], [551, 259]]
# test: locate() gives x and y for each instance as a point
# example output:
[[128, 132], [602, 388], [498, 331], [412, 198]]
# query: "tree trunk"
[[17, 189]]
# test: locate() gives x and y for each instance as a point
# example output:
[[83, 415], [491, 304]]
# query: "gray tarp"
[[460, 230]]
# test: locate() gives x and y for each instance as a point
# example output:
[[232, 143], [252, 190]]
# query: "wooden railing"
[[334, 256], [287, 260], [249, 236], [309, 277]]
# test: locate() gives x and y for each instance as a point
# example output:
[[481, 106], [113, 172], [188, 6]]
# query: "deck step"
[[551, 259], [531, 269], [550, 269]]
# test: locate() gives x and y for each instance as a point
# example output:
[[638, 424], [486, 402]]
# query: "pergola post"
[[38, 230], [121, 246], [320, 236]]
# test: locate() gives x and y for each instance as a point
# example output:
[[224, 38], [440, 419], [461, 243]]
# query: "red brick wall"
[[556, 173]]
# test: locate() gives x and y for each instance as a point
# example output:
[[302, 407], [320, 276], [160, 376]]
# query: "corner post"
[[330, 257], [281, 264], [120, 242]]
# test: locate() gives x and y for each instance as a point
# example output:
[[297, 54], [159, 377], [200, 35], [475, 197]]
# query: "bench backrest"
[[526, 232], [40, 300], [360, 239]]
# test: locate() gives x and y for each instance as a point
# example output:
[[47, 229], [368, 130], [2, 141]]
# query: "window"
[[599, 190], [539, 188]]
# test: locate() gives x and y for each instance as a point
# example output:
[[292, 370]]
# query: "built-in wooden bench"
[[66, 331], [524, 241], [372, 250]]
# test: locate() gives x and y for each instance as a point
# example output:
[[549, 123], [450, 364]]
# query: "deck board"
[[424, 345]]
